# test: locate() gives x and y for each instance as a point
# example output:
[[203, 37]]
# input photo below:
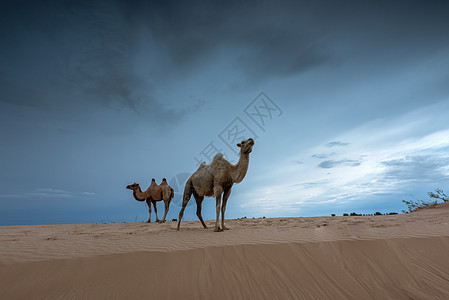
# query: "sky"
[[347, 101]]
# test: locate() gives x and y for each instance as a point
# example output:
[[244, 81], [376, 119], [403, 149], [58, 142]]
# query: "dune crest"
[[388, 257]]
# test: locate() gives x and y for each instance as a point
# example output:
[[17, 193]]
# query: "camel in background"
[[214, 180], [153, 194]]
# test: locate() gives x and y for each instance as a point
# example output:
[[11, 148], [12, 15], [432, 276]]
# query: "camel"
[[216, 179], [153, 194]]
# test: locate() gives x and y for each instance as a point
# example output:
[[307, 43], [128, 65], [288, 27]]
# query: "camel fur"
[[216, 180], [153, 194]]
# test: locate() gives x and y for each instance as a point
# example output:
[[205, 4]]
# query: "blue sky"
[[96, 95]]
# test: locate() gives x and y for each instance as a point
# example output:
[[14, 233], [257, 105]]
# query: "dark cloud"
[[329, 164], [67, 54], [279, 52], [254, 37], [96, 46], [264, 39], [336, 143], [422, 168]]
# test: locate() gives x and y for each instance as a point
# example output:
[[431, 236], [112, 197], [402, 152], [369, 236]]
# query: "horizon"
[[346, 103]]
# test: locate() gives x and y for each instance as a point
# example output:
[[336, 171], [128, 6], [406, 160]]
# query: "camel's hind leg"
[[185, 200], [167, 204], [167, 197], [199, 205], [155, 210], [149, 209], [223, 208]]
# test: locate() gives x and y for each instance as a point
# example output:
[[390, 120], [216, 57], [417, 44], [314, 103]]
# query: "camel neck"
[[241, 167], [138, 195]]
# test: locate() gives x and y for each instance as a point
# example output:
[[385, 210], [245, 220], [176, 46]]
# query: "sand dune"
[[377, 257]]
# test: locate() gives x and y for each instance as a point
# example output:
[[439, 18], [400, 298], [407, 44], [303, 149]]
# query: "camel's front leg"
[[155, 210], [149, 209], [167, 204], [223, 207], [217, 192]]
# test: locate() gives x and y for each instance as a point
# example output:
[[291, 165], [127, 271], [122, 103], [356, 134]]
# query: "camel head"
[[133, 186], [246, 146]]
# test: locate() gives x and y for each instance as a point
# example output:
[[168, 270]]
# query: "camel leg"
[[185, 200], [199, 205], [223, 207], [167, 204], [155, 210], [149, 209], [218, 191]]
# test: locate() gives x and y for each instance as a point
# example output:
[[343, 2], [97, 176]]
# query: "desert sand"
[[355, 257]]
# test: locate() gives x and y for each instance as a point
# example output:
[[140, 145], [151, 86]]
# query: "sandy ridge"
[[375, 257]]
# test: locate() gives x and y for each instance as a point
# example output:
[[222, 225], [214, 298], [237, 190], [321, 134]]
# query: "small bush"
[[393, 213], [333, 215], [345, 215], [418, 204], [439, 194], [174, 220]]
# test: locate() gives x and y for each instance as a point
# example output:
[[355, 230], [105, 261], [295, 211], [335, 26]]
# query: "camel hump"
[[218, 155], [163, 179], [153, 180]]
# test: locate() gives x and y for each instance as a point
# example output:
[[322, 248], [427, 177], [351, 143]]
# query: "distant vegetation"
[[364, 215], [435, 198]]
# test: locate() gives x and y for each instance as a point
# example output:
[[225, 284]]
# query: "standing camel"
[[216, 179], [153, 194]]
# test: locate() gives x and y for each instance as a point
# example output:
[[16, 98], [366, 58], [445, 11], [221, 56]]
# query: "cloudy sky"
[[348, 103]]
